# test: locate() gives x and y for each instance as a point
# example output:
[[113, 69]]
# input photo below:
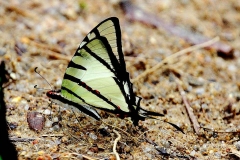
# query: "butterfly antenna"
[[35, 70]]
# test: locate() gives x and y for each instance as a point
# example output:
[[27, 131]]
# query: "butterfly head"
[[53, 94]]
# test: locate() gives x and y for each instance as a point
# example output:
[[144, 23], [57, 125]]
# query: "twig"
[[53, 135], [30, 41], [87, 157], [118, 129], [14, 139], [51, 51], [115, 144], [54, 55], [144, 133], [192, 117], [19, 10], [68, 152], [169, 59], [77, 154]]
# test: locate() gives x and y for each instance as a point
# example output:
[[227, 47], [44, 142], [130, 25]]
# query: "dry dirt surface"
[[45, 34]]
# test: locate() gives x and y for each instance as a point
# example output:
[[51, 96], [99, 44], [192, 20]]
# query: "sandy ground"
[[45, 34]]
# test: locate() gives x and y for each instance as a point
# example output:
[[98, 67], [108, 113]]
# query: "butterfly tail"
[[148, 114]]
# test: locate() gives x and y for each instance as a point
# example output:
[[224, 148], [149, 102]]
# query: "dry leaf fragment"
[[35, 120]]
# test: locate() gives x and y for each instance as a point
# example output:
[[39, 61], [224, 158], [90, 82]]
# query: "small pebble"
[[26, 107], [47, 112], [204, 106], [13, 76], [218, 155], [127, 149], [40, 152], [16, 99], [48, 124], [166, 144], [23, 153], [56, 127], [232, 68], [64, 139], [199, 90], [93, 136], [2, 51], [237, 144], [193, 153], [59, 82], [55, 119]]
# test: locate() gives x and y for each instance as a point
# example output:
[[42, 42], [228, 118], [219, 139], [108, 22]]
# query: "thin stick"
[[53, 135], [14, 139], [189, 109], [175, 55], [87, 157], [115, 144], [117, 128], [77, 154]]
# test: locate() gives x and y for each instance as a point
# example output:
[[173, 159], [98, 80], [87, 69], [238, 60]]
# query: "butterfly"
[[96, 77]]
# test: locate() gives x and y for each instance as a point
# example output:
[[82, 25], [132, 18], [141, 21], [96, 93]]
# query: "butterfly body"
[[96, 77]]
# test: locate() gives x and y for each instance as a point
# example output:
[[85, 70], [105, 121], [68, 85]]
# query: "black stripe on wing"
[[120, 85], [73, 93], [75, 65], [84, 108], [84, 85]]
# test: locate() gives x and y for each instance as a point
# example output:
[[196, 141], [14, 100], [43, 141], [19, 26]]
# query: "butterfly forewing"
[[110, 29], [93, 81]]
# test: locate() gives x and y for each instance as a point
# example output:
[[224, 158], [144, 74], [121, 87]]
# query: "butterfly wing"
[[110, 29], [96, 77], [90, 77]]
